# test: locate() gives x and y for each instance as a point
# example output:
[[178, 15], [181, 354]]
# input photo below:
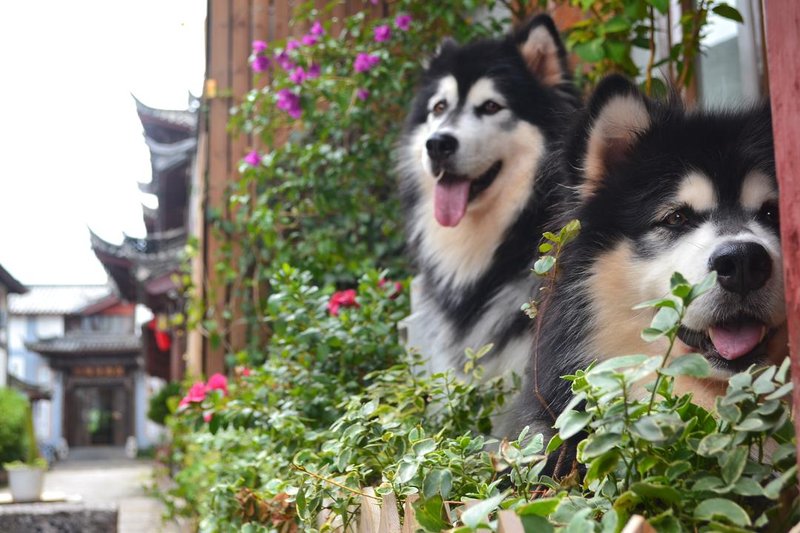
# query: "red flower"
[[196, 394], [339, 299], [218, 382], [245, 371], [397, 289]]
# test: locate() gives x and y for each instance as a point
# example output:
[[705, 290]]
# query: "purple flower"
[[298, 75], [259, 46], [362, 94], [289, 102], [373, 2], [365, 62], [382, 33], [260, 64], [284, 61], [402, 22], [313, 71], [309, 40], [292, 44], [253, 159], [317, 29]]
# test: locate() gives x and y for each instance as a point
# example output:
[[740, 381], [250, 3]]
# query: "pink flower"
[[298, 75], [197, 393], [365, 62], [284, 61], [317, 29], [397, 287], [252, 158], [292, 44], [218, 382], [289, 102], [207, 416], [260, 64], [382, 33], [309, 40], [362, 94], [313, 71], [402, 22], [259, 46], [184, 402], [346, 298], [246, 371], [373, 2]]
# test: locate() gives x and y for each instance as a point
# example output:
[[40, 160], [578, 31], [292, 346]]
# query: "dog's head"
[[664, 191], [484, 113]]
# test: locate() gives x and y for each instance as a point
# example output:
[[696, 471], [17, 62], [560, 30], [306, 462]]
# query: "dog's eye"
[[677, 218], [439, 108], [769, 212], [489, 107]]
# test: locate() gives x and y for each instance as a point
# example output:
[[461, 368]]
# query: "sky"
[[71, 144]]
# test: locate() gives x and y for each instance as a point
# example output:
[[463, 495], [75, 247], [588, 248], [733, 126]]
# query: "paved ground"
[[107, 476]]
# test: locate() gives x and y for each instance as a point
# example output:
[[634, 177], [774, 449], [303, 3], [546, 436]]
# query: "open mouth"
[[733, 344], [453, 192]]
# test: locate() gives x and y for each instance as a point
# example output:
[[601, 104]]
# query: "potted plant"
[[26, 478]]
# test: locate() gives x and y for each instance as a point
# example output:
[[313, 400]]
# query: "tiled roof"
[[56, 299], [86, 343], [11, 283]]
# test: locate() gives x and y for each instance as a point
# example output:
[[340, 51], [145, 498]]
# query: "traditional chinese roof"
[[32, 390], [57, 299], [12, 285], [168, 125], [142, 268], [84, 343]]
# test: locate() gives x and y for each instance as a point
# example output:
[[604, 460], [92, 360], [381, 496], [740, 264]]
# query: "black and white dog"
[[475, 166], [662, 190]]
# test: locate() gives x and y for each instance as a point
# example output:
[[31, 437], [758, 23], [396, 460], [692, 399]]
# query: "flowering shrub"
[[322, 195]]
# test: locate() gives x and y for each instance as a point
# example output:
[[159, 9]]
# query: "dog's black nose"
[[741, 266], [441, 146]]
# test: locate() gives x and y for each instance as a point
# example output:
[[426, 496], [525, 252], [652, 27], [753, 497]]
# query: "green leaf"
[[734, 465], [429, 513], [536, 524], [780, 392], [664, 493], [666, 522], [543, 265], [661, 5], [591, 51], [747, 486], [424, 447], [616, 24], [540, 507], [571, 422], [752, 424], [705, 285], [545, 247], [692, 364], [707, 483], [406, 472], [554, 444], [598, 444], [722, 510], [665, 320], [621, 361], [478, 513], [713, 444], [729, 12], [437, 481], [773, 488]]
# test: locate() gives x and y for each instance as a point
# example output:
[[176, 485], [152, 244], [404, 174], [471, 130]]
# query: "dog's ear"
[[617, 115], [447, 45], [541, 47]]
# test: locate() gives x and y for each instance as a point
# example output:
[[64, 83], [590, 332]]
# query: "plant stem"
[[336, 483], [663, 365], [652, 59]]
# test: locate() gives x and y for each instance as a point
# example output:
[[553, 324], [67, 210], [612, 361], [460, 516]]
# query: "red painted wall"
[[783, 42]]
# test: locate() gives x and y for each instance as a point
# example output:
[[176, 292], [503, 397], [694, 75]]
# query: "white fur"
[[756, 190], [697, 191]]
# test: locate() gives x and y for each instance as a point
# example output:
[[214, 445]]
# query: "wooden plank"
[[370, 518], [638, 524], [282, 15], [410, 524], [509, 522], [782, 20], [389, 517], [219, 25]]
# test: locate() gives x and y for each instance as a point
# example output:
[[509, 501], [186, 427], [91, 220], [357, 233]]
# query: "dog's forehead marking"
[[482, 90], [757, 188], [697, 191], [447, 90]]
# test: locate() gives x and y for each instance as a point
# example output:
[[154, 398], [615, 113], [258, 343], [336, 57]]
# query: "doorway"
[[98, 415]]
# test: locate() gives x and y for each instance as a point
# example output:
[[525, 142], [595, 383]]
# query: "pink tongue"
[[450, 202], [735, 341]]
